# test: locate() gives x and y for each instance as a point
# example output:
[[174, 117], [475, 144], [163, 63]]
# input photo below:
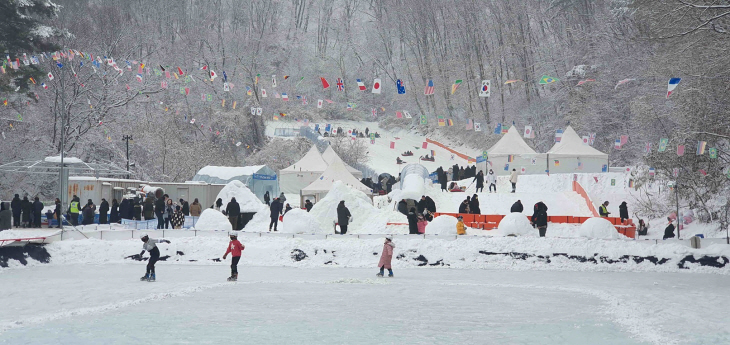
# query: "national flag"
[[528, 132], [486, 88], [675, 172], [631, 183], [647, 148], [407, 115], [429, 88], [701, 145], [547, 80], [304, 100], [44, 86], [284, 115], [187, 91], [375, 112], [557, 163], [624, 139], [325, 84], [249, 91], [558, 135], [273, 80], [392, 145], [585, 81], [50, 76], [680, 150], [140, 68], [180, 71], [276, 95], [455, 85], [400, 86], [673, 82], [253, 111], [234, 105], [192, 121], [340, 84], [498, 128], [586, 140], [506, 167], [60, 65], [163, 84], [256, 80], [328, 101], [263, 93], [652, 172], [617, 144], [226, 87], [361, 85], [592, 138], [376, 85], [663, 142], [424, 145], [713, 153], [167, 75], [510, 158], [450, 122], [259, 111], [276, 118], [139, 78], [424, 120], [512, 81], [433, 153], [319, 103], [469, 124], [284, 96], [204, 68], [213, 75], [223, 103], [398, 115], [621, 82], [441, 121], [703, 172], [328, 127], [286, 77]]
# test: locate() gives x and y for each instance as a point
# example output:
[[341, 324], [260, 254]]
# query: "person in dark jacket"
[[287, 208], [37, 212], [267, 198], [412, 222], [103, 211], [233, 210], [27, 207], [124, 209], [603, 210], [403, 207], [219, 204], [88, 213], [474, 205], [137, 201], [160, 212], [282, 198], [623, 211], [517, 207], [6, 221], [540, 217], [185, 207], [57, 214], [430, 204], [464, 207], [669, 230], [343, 217], [480, 181], [17, 207], [178, 218], [421, 205], [308, 205], [114, 214], [73, 210], [275, 209], [148, 208]]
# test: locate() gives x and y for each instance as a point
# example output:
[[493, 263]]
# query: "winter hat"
[[460, 218]]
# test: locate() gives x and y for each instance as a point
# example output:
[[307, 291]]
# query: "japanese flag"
[[376, 85], [213, 75], [50, 76], [319, 103], [192, 121]]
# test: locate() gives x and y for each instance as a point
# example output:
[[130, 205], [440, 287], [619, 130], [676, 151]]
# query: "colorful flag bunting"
[[469, 124], [486, 88], [528, 132], [713, 153], [325, 84], [284, 96], [663, 142], [547, 80], [455, 85], [621, 82], [361, 85], [558, 135], [680, 150], [701, 145], [340, 84], [585, 81], [450, 122], [407, 114], [398, 115], [376, 85], [400, 86], [429, 88], [319, 103], [617, 144], [673, 82], [424, 120]]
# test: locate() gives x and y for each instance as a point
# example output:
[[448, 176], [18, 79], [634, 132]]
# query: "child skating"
[[234, 248], [386, 257], [150, 246]]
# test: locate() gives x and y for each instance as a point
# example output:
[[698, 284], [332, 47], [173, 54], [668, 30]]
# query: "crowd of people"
[[339, 132]]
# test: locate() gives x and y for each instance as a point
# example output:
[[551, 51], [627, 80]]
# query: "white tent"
[[300, 174], [330, 157], [572, 155], [512, 152], [335, 172]]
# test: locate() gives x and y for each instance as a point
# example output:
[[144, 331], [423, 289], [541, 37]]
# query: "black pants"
[[160, 222], [154, 256], [234, 265], [74, 219], [37, 221], [480, 187], [274, 222], [234, 222], [514, 187], [343, 229], [102, 218], [492, 185], [542, 230], [16, 219]]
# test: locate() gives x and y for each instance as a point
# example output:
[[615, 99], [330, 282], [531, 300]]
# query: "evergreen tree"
[[22, 32]]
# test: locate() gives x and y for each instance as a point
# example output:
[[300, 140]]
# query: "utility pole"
[[127, 138]]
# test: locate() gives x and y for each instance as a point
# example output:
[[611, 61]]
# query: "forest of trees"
[[647, 41]]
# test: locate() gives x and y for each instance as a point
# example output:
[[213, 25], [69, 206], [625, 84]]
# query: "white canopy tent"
[[572, 155], [512, 152], [335, 172], [330, 157], [300, 174]]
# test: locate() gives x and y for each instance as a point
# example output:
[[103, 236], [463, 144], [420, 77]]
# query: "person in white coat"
[[492, 180], [513, 179]]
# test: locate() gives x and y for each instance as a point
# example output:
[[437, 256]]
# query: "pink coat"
[[387, 255], [422, 226]]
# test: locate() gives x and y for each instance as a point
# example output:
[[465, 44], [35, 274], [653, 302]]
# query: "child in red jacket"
[[234, 248]]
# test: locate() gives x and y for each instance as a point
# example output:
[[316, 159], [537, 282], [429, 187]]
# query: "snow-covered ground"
[[106, 303]]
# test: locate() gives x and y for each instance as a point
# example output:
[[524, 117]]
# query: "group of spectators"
[[418, 216]]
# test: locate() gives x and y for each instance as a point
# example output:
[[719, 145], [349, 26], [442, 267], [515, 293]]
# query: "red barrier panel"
[[579, 189], [458, 154]]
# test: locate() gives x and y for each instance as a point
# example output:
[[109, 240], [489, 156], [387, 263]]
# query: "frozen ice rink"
[[193, 304]]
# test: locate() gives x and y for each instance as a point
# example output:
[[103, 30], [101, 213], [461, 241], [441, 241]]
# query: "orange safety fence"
[[579, 189], [458, 154]]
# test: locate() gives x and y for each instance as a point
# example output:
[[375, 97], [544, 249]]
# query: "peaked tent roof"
[[312, 162], [572, 145], [511, 144], [330, 156], [335, 172]]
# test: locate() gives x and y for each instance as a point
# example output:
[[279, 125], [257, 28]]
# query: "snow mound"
[[598, 228], [515, 224], [299, 221], [212, 219], [442, 225], [366, 218], [247, 200]]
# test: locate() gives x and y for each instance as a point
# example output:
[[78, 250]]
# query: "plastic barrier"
[[458, 154], [579, 189]]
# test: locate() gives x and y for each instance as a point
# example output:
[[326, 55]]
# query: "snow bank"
[[515, 224], [247, 200], [598, 228], [442, 225], [366, 218], [212, 219], [299, 221]]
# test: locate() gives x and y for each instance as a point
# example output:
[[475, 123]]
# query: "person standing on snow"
[[386, 257], [474, 207], [150, 246], [308, 205], [275, 209], [17, 207], [103, 211], [460, 227], [412, 222], [282, 198], [159, 212], [669, 230], [234, 248], [492, 180], [540, 218], [513, 179], [233, 210], [37, 211], [196, 208], [623, 211], [267, 198], [57, 214], [603, 210], [343, 217], [218, 204], [88, 213], [464, 207], [422, 222], [114, 215], [480, 181], [27, 207], [185, 207], [73, 210], [178, 218]]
